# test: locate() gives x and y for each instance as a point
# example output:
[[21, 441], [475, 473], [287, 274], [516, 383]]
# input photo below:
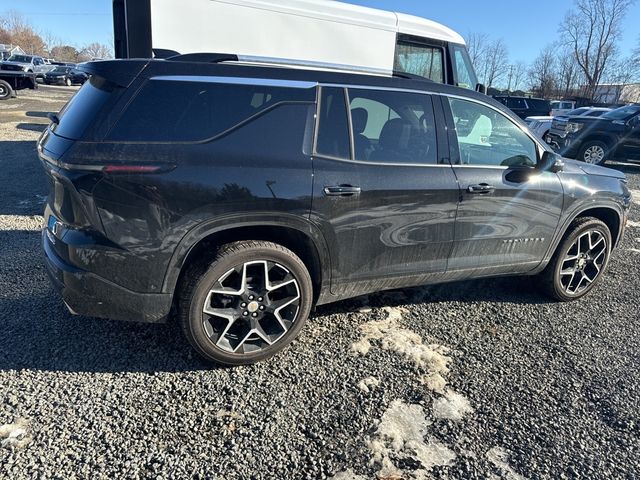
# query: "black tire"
[[6, 91], [557, 275], [587, 152], [205, 332]]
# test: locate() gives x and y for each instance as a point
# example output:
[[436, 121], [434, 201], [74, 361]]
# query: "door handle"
[[342, 191], [481, 188]]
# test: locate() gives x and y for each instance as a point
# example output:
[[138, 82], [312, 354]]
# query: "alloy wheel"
[[251, 307], [594, 155], [583, 262]]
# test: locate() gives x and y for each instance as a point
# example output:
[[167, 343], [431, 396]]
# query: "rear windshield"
[[539, 104], [191, 111], [83, 108]]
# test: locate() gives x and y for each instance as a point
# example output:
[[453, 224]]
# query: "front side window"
[[465, 74], [392, 127], [487, 137], [422, 60]]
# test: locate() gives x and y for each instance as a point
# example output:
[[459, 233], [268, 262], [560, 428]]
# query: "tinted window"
[[393, 127], [20, 58], [184, 111], [333, 131], [486, 137], [596, 113], [83, 107], [420, 60], [622, 113], [577, 111], [517, 103]]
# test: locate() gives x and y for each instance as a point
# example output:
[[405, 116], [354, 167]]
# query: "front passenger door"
[[508, 211]]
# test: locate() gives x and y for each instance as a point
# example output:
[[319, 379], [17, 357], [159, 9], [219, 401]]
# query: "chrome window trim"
[[260, 82]]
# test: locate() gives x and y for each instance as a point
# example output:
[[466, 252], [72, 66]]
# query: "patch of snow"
[[631, 223], [434, 382], [635, 194], [634, 250], [347, 475], [401, 435], [499, 457], [15, 435], [368, 384], [451, 406], [21, 222]]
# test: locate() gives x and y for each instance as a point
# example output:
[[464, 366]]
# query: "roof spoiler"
[[120, 72]]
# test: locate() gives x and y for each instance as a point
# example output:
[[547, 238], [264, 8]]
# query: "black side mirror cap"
[[481, 88], [550, 162]]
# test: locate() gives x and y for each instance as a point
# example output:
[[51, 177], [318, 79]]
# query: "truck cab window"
[[422, 60]]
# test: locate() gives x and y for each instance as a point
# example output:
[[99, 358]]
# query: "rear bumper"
[[85, 293]]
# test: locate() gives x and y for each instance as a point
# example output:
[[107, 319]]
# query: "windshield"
[[20, 58], [60, 70], [465, 75], [622, 113]]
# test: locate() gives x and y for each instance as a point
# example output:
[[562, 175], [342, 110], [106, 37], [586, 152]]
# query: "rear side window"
[[420, 60], [189, 111], [518, 103], [333, 130], [84, 107]]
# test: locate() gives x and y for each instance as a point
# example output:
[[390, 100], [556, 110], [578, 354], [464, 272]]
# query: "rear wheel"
[[248, 305], [594, 152], [5, 90], [67, 82], [580, 260]]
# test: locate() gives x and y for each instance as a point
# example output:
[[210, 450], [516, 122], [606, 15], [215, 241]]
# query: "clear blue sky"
[[526, 26]]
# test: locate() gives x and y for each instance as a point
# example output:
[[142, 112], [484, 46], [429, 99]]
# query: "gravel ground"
[[483, 379]]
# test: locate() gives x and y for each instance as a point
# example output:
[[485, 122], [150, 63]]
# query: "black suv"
[[614, 135], [525, 106], [238, 196]]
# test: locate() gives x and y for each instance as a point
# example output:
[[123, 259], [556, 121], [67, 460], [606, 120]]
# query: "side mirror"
[[550, 162], [481, 88]]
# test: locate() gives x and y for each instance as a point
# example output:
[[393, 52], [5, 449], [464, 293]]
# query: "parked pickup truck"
[[27, 63], [12, 81], [614, 135]]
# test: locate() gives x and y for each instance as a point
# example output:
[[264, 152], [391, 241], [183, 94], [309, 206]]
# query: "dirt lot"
[[482, 379]]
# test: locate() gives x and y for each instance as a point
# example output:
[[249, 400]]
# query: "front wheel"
[[594, 152], [579, 262], [248, 305], [67, 82]]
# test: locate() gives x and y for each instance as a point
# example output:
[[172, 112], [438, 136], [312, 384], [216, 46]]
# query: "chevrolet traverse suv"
[[235, 197]]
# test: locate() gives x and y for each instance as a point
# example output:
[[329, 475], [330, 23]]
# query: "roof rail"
[[227, 57]]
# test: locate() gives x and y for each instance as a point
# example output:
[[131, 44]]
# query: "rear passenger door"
[[383, 197]]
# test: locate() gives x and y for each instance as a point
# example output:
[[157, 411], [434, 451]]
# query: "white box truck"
[[312, 32]]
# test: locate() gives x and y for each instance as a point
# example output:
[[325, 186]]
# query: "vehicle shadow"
[[514, 290], [23, 186], [34, 127], [37, 114]]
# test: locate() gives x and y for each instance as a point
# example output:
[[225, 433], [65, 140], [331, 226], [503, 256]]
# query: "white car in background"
[[539, 126], [561, 107]]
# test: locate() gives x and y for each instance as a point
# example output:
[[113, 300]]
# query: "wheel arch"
[[201, 243], [611, 214], [608, 140]]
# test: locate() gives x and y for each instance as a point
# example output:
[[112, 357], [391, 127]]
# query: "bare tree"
[[50, 41], [592, 31], [542, 73], [21, 33], [477, 47], [496, 63], [568, 73], [517, 74], [96, 50]]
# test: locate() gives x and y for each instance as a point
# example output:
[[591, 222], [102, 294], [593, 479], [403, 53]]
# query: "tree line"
[[16, 30], [585, 54]]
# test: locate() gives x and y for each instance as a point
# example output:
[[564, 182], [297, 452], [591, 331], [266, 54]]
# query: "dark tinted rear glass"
[[333, 132], [187, 111], [83, 107], [539, 104]]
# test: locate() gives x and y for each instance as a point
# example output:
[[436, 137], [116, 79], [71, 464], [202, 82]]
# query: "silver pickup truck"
[[27, 63]]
